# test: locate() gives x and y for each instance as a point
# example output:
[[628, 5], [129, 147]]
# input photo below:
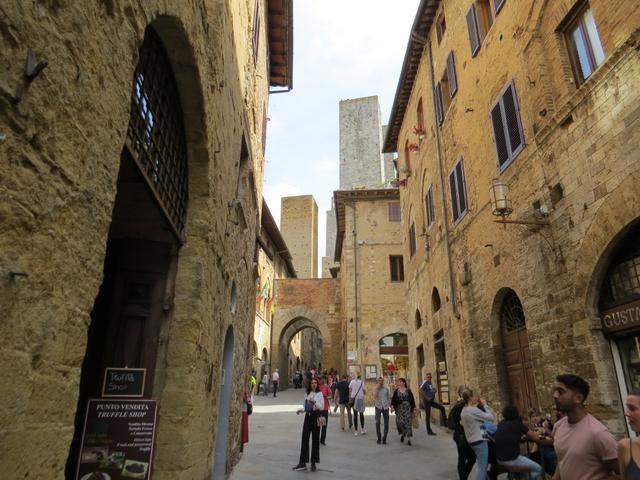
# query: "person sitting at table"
[[510, 432]]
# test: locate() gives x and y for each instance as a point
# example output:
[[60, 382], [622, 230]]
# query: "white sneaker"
[[363, 431], [355, 433]]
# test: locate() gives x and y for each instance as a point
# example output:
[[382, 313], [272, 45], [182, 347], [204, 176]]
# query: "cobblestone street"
[[274, 447]]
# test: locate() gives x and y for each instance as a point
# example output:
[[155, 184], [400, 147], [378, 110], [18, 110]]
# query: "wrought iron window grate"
[[512, 314], [155, 136]]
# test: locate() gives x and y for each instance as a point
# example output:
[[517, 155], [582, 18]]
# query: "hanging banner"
[[117, 440]]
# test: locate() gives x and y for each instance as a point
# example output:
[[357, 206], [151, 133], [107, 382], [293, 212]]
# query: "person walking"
[[428, 401], [275, 379], [466, 456], [341, 397], [629, 448], [326, 395], [382, 402], [356, 395], [474, 413], [312, 406], [585, 448], [507, 441], [265, 384], [403, 403]]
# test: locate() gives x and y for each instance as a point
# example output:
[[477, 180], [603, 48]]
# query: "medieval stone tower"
[[362, 163], [299, 227]]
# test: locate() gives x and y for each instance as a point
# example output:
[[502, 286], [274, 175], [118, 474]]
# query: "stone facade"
[[274, 261], [303, 304], [578, 171], [62, 142], [373, 304], [361, 163], [299, 226]]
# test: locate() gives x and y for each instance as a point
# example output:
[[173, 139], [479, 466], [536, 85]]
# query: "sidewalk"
[[274, 448]]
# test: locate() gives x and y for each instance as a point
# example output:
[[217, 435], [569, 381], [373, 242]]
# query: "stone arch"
[[617, 214], [288, 322]]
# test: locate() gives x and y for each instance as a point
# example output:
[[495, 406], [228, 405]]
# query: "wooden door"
[[522, 392], [136, 309], [517, 355]]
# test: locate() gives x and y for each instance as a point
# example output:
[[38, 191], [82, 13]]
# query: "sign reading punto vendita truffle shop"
[[117, 440], [622, 317]]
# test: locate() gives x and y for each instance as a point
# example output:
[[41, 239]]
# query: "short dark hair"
[[575, 383], [510, 412]]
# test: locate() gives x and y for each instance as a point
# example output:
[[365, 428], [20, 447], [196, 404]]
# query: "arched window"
[[418, 319], [511, 313], [155, 136], [420, 115], [435, 300], [622, 280]]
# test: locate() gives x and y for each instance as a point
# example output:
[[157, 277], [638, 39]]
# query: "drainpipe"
[[454, 305], [355, 281]]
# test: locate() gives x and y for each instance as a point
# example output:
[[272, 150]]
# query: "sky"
[[342, 49]]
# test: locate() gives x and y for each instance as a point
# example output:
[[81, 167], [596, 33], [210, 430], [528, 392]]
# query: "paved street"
[[274, 447]]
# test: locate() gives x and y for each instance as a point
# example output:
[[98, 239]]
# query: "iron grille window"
[[394, 212], [512, 314], [624, 280], [396, 267], [155, 135]]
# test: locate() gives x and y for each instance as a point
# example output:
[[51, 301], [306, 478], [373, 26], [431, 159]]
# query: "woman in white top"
[[472, 418], [313, 405]]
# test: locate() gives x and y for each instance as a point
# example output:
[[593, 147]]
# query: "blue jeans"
[[481, 450], [534, 469]]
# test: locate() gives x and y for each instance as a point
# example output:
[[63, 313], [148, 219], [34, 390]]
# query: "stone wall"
[[578, 163], [308, 303], [299, 227], [62, 151], [360, 144], [372, 304]]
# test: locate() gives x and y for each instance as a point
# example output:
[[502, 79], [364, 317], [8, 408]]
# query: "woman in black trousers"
[[313, 405]]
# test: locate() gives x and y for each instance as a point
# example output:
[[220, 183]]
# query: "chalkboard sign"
[[123, 382]]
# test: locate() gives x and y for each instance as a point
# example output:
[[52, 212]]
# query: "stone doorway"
[[224, 409], [517, 354], [132, 310]]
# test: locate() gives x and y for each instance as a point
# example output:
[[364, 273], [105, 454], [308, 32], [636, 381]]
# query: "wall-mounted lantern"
[[501, 205]]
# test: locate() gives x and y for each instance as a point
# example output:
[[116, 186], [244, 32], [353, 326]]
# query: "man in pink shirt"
[[585, 448]]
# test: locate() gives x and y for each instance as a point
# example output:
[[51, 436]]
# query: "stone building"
[[132, 137], [299, 226], [371, 283], [536, 107], [274, 261]]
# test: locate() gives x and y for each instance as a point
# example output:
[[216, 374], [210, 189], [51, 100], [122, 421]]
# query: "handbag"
[[415, 419], [322, 421], [249, 408], [352, 400]]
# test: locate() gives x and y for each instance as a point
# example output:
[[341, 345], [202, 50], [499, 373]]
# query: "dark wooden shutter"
[[472, 25], [497, 4], [437, 98], [451, 72], [454, 195], [514, 129], [498, 134], [400, 268], [462, 191]]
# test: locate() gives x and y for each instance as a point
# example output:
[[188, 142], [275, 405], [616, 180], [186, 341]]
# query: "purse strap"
[[361, 383]]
